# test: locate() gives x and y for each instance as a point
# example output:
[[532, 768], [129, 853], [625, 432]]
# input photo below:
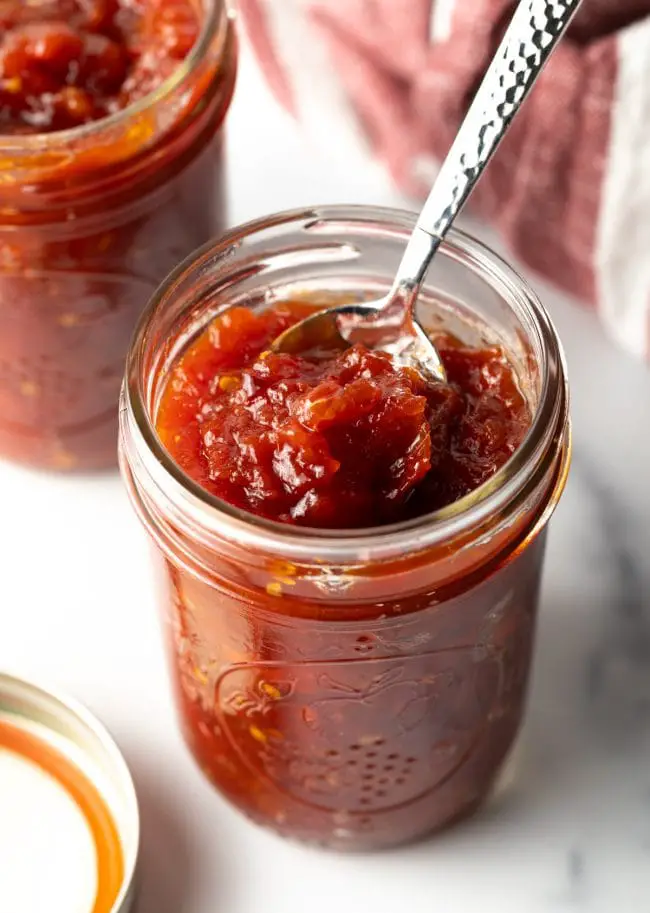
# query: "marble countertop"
[[574, 831]]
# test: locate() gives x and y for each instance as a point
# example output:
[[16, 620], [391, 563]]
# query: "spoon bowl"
[[389, 323], [336, 329]]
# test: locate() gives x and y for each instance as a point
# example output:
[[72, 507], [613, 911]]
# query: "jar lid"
[[69, 823]]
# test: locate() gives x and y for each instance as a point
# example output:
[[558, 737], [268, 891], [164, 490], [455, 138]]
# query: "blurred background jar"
[[358, 688], [91, 220]]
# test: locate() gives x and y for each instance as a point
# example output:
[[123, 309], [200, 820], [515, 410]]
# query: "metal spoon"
[[389, 323]]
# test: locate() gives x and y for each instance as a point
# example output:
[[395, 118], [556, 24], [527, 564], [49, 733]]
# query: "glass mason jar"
[[358, 689], [91, 221]]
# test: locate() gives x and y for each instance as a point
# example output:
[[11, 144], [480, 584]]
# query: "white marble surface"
[[574, 834]]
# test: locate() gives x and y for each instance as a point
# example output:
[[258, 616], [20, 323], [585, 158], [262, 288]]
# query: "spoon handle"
[[535, 29]]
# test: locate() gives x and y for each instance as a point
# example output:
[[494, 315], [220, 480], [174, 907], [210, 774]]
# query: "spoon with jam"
[[389, 323]]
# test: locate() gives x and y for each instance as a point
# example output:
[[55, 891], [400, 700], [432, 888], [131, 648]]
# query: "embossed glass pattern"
[[91, 220], [358, 689]]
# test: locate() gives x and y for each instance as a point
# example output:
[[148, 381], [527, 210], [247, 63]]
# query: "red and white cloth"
[[569, 190]]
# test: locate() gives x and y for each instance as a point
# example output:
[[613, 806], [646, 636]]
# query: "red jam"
[[68, 62], [336, 442]]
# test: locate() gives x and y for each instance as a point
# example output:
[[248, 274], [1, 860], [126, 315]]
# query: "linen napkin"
[[569, 190]]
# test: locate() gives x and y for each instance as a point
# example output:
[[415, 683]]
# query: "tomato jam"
[[100, 198], [350, 686], [339, 442], [67, 62]]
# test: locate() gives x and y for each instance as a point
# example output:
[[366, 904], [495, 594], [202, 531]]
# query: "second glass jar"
[[357, 689], [91, 220]]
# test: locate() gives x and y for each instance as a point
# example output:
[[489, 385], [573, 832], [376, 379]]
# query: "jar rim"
[[218, 15], [210, 513]]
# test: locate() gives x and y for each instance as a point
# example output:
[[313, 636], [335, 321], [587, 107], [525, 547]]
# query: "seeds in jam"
[[64, 63], [337, 442]]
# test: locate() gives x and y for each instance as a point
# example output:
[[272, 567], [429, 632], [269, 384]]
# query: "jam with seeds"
[[100, 199], [64, 63], [336, 442]]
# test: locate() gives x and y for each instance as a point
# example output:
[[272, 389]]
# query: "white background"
[[76, 609]]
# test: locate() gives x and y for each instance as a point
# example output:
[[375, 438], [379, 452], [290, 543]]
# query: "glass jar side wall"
[[355, 734], [70, 297]]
